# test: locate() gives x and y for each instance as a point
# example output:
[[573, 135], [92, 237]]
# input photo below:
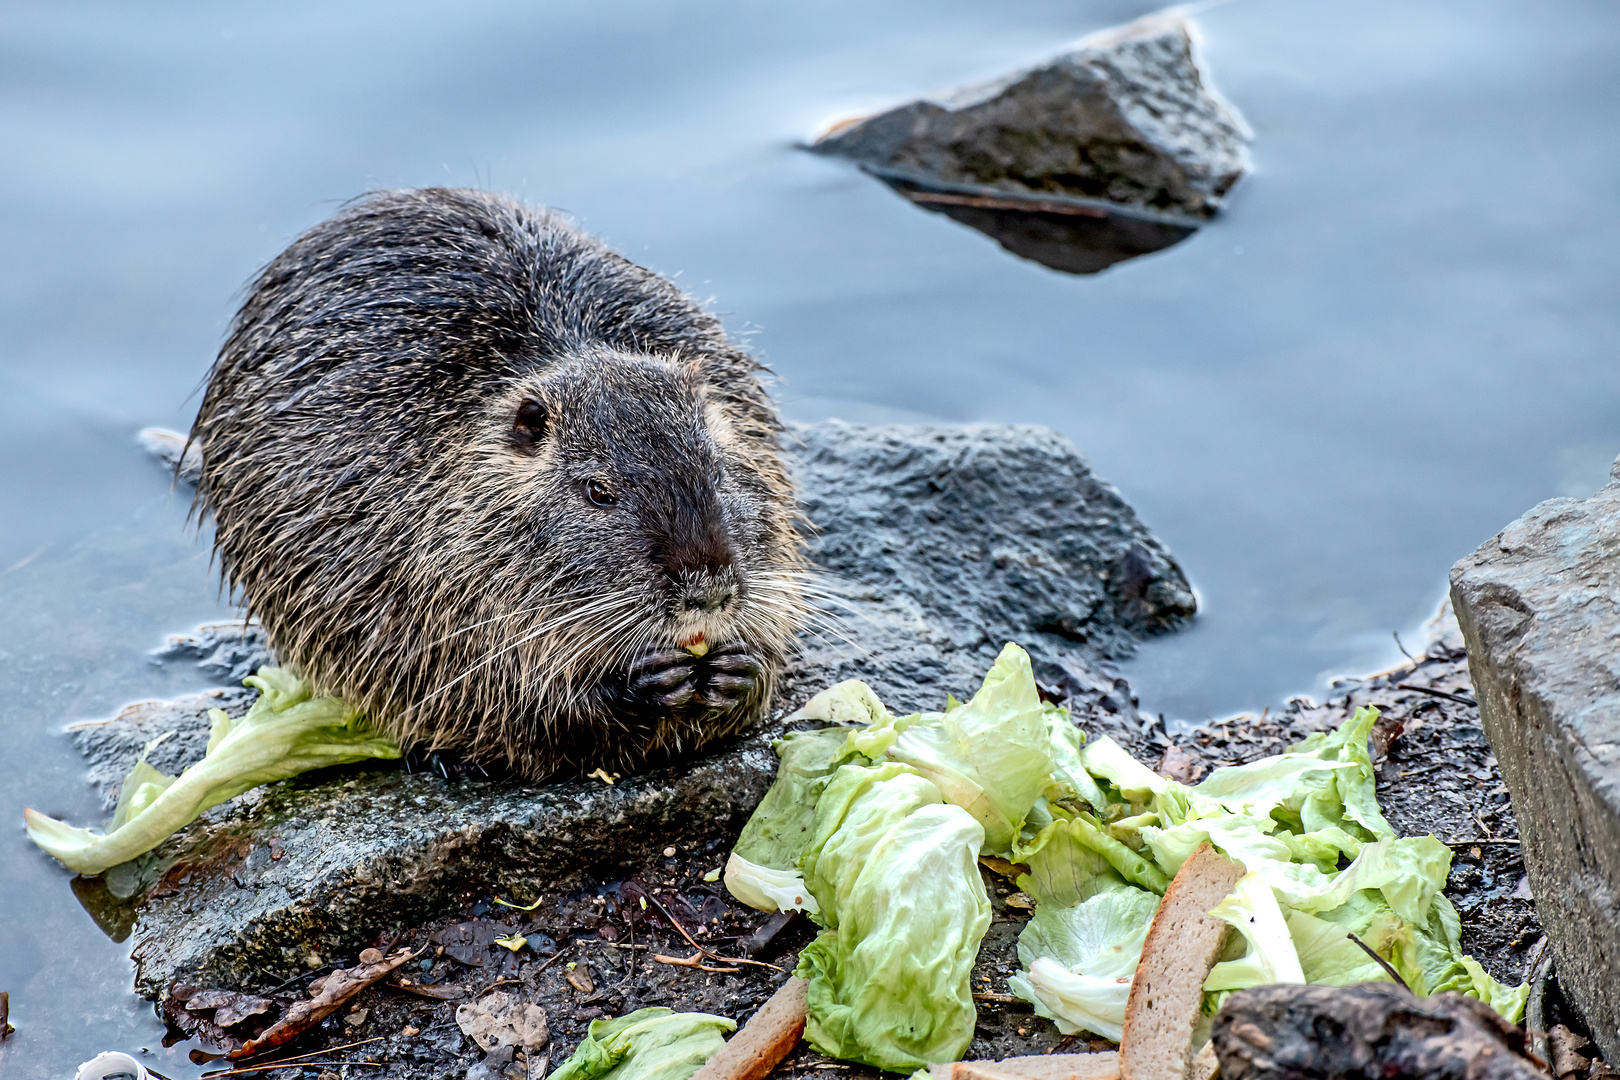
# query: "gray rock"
[[1539, 607], [1123, 136], [937, 546], [941, 544]]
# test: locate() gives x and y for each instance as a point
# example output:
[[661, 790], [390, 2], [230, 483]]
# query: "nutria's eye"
[[529, 425], [598, 493]]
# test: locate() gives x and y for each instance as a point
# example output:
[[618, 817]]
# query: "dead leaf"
[[515, 942], [579, 979], [335, 990], [1385, 730], [1178, 765], [499, 1019], [228, 1006], [997, 865]]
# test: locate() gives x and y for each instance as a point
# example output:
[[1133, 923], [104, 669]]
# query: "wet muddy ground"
[[609, 950]]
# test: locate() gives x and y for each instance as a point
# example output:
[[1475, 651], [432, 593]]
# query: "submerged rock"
[[937, 544], [1539, 605], [1114, 149]]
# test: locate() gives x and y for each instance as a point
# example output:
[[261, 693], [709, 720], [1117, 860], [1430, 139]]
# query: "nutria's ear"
[[529, 424]]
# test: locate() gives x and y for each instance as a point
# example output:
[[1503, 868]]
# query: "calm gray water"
[[1402, 335]]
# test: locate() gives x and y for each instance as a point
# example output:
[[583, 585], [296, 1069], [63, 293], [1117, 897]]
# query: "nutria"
[[517, 497]]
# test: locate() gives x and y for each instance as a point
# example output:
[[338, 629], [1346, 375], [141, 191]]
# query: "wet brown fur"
[[413, 548]]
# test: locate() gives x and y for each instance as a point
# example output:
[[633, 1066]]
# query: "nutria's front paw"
[[663, 677], [731, 676]]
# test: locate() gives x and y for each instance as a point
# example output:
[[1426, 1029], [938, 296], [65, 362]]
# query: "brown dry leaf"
[[1178, 765], [499, 1019], [998, 865], [1385, 730], [228, 1006], [330, 994], [580, 980]]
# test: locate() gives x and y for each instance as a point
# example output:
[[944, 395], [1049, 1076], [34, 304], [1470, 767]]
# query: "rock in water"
[[948, 542], [1373, 1030], [940, 543], [1539, 606], [1115, 149]]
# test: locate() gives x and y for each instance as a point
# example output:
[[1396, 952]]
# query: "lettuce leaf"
[[1079, 961], [648, 1044], [1251, 908], [889, 977], [763, 869], [991, 756], [284, 733]]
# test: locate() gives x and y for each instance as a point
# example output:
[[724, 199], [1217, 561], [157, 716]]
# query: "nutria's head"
[[512, 494]]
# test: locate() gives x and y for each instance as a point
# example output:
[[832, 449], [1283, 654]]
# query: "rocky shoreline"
[[944, 542]]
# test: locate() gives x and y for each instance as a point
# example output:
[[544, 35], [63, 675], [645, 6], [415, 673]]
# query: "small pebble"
[[669, 853]]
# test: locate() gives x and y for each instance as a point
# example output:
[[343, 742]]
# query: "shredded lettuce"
[[284, 733], [648, 1044], [897, 808]]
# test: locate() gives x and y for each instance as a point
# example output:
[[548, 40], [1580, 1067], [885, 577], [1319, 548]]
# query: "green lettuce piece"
[[1080, 837], [1328, 957], [1078, 961], [888, 981], [1262, 786], [1352, 800], [648, 1044], [1251, 909], [763, 869], [284, 733], [1408, 872], [991, 756], [1063, 868], [1069, 775], [856, 811], [1105, 758]]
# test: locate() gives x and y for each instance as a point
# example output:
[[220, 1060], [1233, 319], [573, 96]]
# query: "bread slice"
[[1104, 1066], [1182, 945], [767, 1038]]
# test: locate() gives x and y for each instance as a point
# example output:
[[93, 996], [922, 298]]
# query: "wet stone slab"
[[1539, 604], [941, 543]]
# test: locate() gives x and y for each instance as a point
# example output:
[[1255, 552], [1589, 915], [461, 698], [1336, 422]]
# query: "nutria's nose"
[[708, 598]]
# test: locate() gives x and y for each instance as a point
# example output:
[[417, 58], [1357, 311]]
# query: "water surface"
[[1402, 334]]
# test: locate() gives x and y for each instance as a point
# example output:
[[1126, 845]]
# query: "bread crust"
[[1182, 944]]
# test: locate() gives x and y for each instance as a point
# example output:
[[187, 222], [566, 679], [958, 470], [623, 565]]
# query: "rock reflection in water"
[[1071, 235]]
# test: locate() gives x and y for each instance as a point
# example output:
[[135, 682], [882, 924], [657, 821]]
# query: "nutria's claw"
[[733, 676], [662, 677]]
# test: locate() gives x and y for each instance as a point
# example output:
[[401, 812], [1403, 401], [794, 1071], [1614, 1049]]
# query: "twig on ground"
[[1385, 964], [709, 953], [1448, 695]]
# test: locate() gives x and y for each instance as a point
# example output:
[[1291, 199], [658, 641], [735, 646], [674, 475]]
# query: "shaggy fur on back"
[[483, 477]]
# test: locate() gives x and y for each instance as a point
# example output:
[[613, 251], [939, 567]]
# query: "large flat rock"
[[940, 543], [1539, 606]]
